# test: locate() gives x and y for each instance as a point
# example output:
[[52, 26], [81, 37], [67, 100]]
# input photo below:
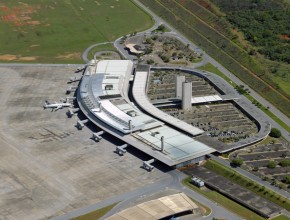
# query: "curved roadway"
[[85, 53]]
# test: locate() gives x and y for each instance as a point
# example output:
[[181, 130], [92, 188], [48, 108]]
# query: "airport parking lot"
[[47, 166], [223, 121], [235, 191], [258, 159], [162, 85]]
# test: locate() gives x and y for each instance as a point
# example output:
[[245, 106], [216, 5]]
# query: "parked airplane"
[[57, 105]]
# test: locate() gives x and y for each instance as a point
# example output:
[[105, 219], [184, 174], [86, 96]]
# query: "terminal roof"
[[140, 96], [122, 118]]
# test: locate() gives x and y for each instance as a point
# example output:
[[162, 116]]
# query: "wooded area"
[[265, 23]]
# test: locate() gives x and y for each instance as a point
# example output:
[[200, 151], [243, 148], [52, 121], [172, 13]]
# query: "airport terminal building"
[[112, 95], [103, 98]]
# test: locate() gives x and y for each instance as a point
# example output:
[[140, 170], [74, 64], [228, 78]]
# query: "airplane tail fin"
[[45, 104]]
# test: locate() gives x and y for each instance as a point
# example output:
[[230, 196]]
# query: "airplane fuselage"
[[57, 106]]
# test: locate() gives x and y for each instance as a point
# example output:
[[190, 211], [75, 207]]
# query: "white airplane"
[[57, 105]]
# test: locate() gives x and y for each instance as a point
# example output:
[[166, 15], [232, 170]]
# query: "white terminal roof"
[[102, 92], [102, 86], [176, 145], [204, 99], [139, 94]]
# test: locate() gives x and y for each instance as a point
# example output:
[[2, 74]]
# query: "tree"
[[286, 179], [272, 164], [161, 28], [148, 50], [276, 133], [237, 162]]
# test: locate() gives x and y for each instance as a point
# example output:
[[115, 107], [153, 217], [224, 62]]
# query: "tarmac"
[[47, 166]]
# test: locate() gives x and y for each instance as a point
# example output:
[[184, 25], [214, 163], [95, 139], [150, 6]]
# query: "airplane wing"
[[58, 107]]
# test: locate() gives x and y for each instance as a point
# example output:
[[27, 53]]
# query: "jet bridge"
[[121, 149], [81, 124], [147, 165], [71, 112], [71, 89], [97, 136]]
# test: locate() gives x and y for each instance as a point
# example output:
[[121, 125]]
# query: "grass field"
[[281, 217], [59, 31], [204, 209]]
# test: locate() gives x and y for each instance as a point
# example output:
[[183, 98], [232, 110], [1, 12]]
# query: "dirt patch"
[[240, 37], [69, 56], [8, 57], [19, 15], [33, 22], [34, 45], [285, 37], [27, 58]]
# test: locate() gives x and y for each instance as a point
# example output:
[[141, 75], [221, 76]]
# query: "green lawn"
[[224, 201], [94, 215], [211, 68], [206, 210], [59, 31], [281, 217]]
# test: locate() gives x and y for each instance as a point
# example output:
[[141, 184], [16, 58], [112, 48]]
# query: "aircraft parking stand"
[[47, 166]]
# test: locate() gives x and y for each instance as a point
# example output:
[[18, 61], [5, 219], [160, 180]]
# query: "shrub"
[[237, 162], [286, 179], [276, 133], [272, 164], [161, 28], [284, 163]]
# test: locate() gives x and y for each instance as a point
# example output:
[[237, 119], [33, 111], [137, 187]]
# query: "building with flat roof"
[[139, 94], [103, 97], [161, 208]]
